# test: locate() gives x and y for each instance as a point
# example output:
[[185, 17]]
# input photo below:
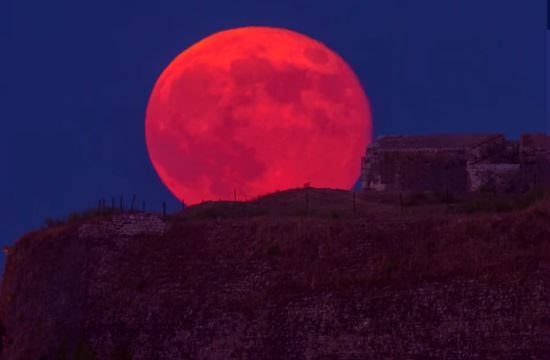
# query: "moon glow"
[[256, 109]]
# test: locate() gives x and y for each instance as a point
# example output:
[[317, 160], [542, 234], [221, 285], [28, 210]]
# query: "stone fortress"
[[456, 163]]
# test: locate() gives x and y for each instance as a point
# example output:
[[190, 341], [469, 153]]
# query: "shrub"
[[49, 222], [75, 216], [504, 206], [211, 213]]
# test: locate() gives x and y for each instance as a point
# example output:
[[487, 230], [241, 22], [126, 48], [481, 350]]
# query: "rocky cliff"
[[275, 287]]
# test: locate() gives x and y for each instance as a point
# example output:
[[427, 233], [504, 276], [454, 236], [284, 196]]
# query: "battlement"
[[456, 162]]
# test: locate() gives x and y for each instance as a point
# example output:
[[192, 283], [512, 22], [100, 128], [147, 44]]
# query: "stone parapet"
[[125, 225]]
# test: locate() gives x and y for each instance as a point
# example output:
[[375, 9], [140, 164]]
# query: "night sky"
[[76, 77]]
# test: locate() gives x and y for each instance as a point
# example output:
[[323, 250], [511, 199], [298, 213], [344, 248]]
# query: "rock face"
[[456, 163], [281, 288]]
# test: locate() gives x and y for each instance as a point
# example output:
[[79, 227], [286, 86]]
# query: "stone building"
[[456, 163]]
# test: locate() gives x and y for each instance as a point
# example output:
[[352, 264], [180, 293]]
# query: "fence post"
[[307, 201]]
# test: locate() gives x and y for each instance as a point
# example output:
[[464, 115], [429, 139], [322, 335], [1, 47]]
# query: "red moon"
[[256, 109]]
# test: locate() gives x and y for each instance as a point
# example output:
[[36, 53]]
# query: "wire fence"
[[313, 202]]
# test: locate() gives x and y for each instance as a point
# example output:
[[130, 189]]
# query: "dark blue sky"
[[76, 76]]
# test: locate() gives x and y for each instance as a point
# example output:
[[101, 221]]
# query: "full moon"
[[255, 110]]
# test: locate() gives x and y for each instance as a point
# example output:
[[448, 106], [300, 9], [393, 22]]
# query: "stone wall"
[[216, 290], [493, 162], [510, 155], [47, 277], [535, 160], [416, 170], [125, 225], [486, 150], [494, 177]]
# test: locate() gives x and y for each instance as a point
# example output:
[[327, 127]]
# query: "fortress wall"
[[175, 297], [511, 153], [418, 170], [125, 225], [457, 320], [364, 172], [43, 294], [46, 280], [461, 319], [495, 177], [371, 170], [493, 147], [495, 162], [535, 160]]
